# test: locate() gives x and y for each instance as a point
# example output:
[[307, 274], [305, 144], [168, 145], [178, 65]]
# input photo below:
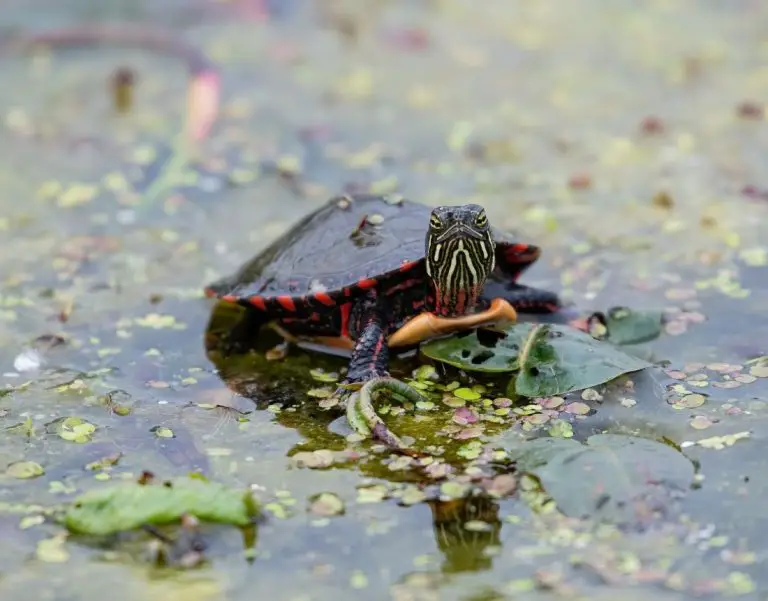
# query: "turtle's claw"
[[348, 387], [363, 418]]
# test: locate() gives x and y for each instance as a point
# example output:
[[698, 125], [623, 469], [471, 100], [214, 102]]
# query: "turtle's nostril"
[[449, 214]]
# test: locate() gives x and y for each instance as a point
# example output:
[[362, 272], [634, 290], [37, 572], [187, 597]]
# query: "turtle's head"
[[460, 253]]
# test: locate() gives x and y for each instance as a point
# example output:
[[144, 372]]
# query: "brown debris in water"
[[750, 110], [663, 200], [580, 181], [122, 85], [652, 125]]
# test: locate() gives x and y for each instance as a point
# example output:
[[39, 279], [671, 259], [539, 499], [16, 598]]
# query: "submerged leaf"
[[52, 550], [608, 475], [533, 454], [326, 504], [25, 428], [718, 443], [131, 505]]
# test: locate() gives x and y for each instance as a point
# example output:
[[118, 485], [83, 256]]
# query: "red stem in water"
[[204, 87]]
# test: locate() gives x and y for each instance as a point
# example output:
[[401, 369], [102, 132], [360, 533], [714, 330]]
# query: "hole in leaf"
[[465, 353], [489, 338], [533, 371], [482, 357], [602, 501]]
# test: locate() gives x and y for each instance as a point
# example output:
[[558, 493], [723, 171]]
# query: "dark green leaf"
[[557, 359], [552, 359], [532, 454], [131, 505], [613, 476], [24, 470], [626, 326], [498, 354]]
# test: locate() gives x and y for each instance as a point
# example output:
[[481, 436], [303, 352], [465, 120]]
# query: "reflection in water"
[[232, 330], [466, 530]]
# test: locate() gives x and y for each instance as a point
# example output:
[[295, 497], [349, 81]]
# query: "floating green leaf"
[[162, 432], [24, 470], [131, 505], [551, 359], [25, 428], [482, 350], [326, 504], [555, 360], [608, 476], [52, 550], [467, 394], [622, 325], [72, 429]]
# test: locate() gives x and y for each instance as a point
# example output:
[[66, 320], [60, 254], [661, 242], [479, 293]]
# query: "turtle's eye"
[[481, 220], [435, 222]]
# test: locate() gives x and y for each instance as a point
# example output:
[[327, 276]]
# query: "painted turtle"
[[367, 273]]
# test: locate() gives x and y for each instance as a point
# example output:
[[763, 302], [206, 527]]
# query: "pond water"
[[627, 139]]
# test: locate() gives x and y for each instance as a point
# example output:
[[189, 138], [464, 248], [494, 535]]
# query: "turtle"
[[366, 273]]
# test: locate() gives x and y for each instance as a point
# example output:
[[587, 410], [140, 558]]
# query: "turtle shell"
[[340, 249], [343, 248]]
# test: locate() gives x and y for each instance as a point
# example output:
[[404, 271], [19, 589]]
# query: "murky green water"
[[540, 112]]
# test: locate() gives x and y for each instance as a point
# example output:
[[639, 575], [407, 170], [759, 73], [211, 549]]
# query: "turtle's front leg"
[[370, 357], [368, 371]]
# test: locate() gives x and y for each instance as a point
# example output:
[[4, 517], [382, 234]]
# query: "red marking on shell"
[[407, 265], [314, 317], [258, 302], [209, 293], [521, 253], [325, 299], [286, 302], [418, 304], [403, 286], [345, 310], [368, 283]]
